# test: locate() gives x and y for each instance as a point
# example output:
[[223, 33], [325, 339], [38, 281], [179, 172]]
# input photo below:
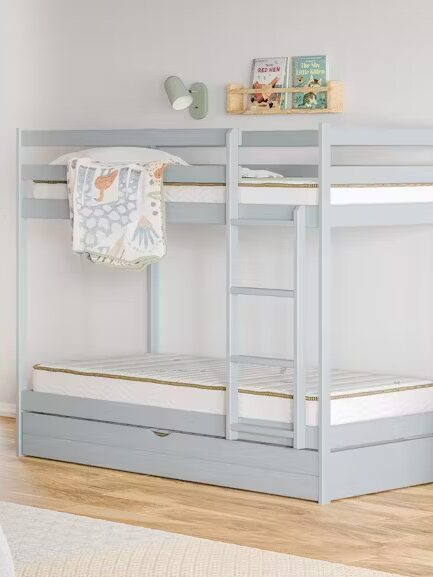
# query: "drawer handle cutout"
[[161, 433]]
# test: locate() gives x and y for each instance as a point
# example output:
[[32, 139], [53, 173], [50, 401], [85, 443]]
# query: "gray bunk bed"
[[323, 462]]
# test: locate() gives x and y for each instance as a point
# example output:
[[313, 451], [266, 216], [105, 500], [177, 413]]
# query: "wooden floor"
[[390, 531]]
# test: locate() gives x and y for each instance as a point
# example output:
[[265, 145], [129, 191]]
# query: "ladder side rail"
[[299, 407], [325, 349], [232, 257]]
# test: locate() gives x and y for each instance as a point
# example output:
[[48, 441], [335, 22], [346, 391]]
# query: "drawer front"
[[198, 458], [171, 443]]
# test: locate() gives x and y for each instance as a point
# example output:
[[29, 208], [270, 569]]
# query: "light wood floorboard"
[[390, 531]]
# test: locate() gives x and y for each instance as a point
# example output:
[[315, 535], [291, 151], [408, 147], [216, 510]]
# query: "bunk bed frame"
[[316, 463]]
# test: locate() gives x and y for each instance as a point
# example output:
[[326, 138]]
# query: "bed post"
[[232, 244], [152, 290], [324, 374], [21, 302]]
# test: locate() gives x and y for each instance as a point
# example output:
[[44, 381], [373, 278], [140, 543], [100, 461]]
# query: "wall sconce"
[[180, 97]]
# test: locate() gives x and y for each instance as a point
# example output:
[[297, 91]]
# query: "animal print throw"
[[117, 212]]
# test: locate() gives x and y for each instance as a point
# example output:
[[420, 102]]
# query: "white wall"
[[101, 63]]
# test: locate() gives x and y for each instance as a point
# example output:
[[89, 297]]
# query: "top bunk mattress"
[[279, 191], [193, 383]]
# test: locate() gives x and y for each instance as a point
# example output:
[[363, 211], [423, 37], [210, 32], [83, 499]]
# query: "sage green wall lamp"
[[196, 98]]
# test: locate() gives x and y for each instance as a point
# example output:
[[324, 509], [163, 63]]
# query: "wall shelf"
[[236, 101]]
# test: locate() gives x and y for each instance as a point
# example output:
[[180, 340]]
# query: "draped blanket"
[[117, 212]]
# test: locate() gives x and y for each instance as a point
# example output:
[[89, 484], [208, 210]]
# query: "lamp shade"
[[178, 94]]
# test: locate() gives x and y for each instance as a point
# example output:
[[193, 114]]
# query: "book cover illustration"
[[309, 71], [266, 74]]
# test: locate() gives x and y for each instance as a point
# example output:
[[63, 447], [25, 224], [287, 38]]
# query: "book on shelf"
[[266, 74], [310, 72]]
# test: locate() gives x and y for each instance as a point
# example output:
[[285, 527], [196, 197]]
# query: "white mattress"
[[198, 384], [289, 191]]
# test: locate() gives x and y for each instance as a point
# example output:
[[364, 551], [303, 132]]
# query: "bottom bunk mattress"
[[193, 383]]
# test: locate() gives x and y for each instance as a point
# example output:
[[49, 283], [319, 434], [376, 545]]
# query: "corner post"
[[21, 302], [325, 343], [299, 441]]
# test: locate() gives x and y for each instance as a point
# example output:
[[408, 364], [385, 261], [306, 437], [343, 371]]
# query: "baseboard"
[[7, 410]]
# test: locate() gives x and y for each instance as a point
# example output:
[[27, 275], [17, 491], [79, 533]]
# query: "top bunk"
[[353, 194]]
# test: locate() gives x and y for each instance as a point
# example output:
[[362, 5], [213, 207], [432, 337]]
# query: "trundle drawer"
[[184, 456], [168, 442]]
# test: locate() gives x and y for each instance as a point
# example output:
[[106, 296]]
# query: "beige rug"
[[50, 544]]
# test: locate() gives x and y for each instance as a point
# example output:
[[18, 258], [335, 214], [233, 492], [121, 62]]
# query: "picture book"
[[309, 71], [268, 73]]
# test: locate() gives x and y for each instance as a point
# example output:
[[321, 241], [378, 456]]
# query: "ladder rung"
[[259, 430], [269, 361], [260, 222], [263, 292]]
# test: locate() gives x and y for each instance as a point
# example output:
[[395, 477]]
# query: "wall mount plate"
[[199, 106]]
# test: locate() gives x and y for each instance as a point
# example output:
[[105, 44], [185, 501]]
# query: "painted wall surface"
[[102, 63]]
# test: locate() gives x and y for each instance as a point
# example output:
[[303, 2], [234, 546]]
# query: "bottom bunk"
[[164, 415], [192, 383]]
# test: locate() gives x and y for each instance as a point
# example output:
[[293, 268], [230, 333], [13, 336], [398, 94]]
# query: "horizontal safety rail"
[[381, 175], [197, 173], [43, 172], [339, 136], [277, 138], [346, 136], [215, 137], [126, 137]]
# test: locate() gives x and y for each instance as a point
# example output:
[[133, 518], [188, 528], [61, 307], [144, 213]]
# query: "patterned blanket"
[[117, 212]]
